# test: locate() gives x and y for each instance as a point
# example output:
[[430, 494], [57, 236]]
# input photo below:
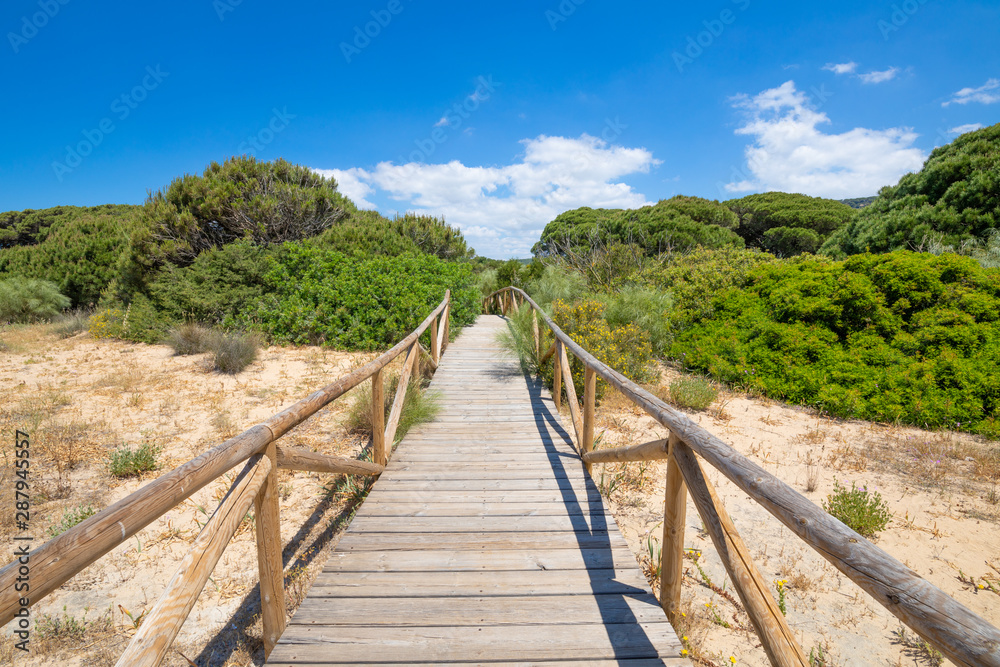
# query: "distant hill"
[[858, 202]]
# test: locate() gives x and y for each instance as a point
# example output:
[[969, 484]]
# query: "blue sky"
[[496, 115]]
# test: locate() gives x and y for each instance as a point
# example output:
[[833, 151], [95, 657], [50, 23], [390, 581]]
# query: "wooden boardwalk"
[[484, 541]]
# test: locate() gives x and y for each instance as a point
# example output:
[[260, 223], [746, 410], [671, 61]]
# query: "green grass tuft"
[[692, 393], [128, 462], [70, 518], [190, 338], [235, 351]]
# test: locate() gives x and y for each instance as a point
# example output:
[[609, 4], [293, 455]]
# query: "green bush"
[[648, 309], [692, 393], [70, 518], [625, 349], [315, 295], [234, 351], [190, 338], [128, 462], [30, 300], [76, 248], [906, 337], [861, 510], [695, 279]]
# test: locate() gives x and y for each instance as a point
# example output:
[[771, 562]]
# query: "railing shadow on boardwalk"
[[614, 612]]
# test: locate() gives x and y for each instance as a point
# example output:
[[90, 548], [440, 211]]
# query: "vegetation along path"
[[484, 539]]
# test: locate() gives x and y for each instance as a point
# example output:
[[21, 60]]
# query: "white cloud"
[[351, 185], [988, 93], [879, 77], [444, 122], [790, 153], [502, 210], [962, 129], [842, 68]]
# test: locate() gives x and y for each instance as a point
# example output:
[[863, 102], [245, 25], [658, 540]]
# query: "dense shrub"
[[75, 248], [316, 295], [905, 336], [696, 278], [954, 198], [369, 233], [788, 224], [625, 349], [648, 309], [30, 300]]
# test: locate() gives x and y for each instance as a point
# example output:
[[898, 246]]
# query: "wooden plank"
[[457, 561], [297, 458], [270, 573], [481, 611], [446, 644], [397, 403], [478, 541], [493, 524], [380, 507], [672, 546]]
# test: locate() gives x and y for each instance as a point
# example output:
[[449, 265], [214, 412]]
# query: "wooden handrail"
[[942, 621], [59, 559]]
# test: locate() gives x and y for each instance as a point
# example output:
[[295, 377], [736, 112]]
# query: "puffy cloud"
[[350, 183], [502, 210], [842, 68], [879, 77], [988, 93], [790, 153], [962, 129]]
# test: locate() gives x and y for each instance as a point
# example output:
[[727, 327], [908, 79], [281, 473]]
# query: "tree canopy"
[[788, 224], [676, 224], [954, 198]]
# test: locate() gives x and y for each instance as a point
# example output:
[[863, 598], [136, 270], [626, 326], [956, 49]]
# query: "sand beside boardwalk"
[[941, 487]]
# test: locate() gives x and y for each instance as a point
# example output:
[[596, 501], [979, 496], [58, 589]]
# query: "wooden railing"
[[950, 627], [53, 563]]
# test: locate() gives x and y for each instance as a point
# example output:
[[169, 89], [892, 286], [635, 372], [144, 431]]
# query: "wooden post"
[[397, 404], [534, 332], [589, 391], [574, 403], [272, 582], [557, 381], [672, 548], [435, 352], [379, 454], [447, 327], [754, 592]]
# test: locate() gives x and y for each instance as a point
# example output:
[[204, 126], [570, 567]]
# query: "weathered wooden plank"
[[456, 561], [491, 524], [478, 541], [376, 506], [480, 611], [446, 644]]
